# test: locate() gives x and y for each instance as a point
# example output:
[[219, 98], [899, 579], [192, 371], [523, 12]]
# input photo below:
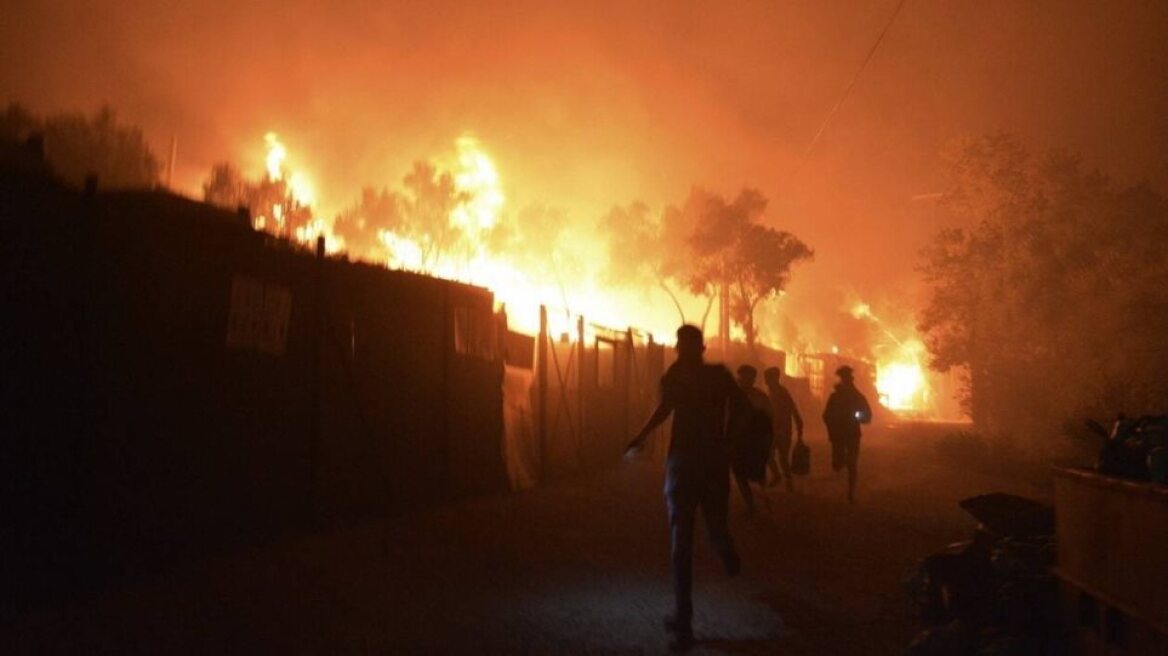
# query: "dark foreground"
[[576, 567]]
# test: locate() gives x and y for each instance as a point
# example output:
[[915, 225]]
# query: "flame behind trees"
[[436, 216], [1052, 294], [710, 247], [278, 202], [749, 262], [448, 221]]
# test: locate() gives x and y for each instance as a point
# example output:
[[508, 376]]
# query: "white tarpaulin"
[[520, 443]]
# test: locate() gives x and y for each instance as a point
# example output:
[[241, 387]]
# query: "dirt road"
[[575, 567]]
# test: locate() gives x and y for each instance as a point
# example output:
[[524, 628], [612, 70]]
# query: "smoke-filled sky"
[[587, 104]]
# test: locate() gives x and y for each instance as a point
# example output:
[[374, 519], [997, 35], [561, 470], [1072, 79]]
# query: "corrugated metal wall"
[[162, 366]]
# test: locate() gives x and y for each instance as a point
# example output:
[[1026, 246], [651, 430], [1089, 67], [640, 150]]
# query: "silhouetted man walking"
[[846, 410], [702, 399], [783, 413], [747, 464]]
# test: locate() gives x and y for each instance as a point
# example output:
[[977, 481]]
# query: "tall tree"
[[1049, 263], [364, 224], [225, 187], [430, 197], [272, 205], [734, 252]]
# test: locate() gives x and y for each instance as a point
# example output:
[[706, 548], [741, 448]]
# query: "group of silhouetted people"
[[773, 413], [718, 425]]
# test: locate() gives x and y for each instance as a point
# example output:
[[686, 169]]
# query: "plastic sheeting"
[[520, 442]]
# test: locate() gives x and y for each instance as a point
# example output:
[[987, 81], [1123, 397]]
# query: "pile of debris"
[[993, 594], [1134, 448]]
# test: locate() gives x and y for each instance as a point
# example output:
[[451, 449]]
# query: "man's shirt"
[[699, 395], [783, 411]]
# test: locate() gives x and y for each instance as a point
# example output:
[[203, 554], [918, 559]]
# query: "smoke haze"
[[587, 105]]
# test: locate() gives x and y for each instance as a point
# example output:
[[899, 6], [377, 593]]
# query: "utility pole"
[[170, 164], [541, 375], [724, 319]]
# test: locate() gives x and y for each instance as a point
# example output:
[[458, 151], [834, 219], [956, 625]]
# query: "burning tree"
[[363, 224], [271, 202], [278, 201], [427, 206], [414, 227], [440, 220]]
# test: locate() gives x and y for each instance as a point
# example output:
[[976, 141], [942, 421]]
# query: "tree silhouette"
[[226, 187], [640, 246], [734, 253], [430, 197], [77, 146], [270, 202], [362, 224], [1049, 292]]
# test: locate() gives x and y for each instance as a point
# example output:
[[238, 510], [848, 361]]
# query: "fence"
[[593, 393], [175, 381]]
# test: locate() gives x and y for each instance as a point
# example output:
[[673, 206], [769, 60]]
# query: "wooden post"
[[446, 473], [579, 382], [628, 382], [314, 483], [541, 382], [724, 321]]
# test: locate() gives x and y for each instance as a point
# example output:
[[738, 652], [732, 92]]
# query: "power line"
[[848, 89]]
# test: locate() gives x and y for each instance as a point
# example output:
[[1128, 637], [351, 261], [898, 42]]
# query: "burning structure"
[[712, 259]]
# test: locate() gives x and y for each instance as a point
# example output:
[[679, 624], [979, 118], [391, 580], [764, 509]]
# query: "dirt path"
[[576, 567]]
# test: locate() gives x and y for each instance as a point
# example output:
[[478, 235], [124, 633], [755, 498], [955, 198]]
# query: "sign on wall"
[[258, 316]]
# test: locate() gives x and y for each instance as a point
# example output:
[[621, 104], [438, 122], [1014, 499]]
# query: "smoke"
[[588, 105]]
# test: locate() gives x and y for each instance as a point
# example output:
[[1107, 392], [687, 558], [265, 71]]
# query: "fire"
[[293, 209], [298, 183], [274, 160], [519, 290], [476, 176], [563, 276], [900, 379]]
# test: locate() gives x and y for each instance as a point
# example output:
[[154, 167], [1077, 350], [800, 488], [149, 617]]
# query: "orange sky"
[[588, 104]]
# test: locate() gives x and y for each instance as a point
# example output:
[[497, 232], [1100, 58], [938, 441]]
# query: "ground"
[[578, 566]]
